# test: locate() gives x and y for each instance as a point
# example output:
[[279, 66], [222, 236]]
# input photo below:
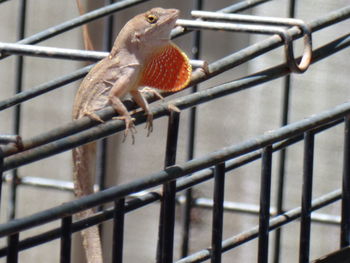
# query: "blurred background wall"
[[223, 122]]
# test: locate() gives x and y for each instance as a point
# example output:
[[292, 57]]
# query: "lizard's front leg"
[[141, 101], [118, 90]]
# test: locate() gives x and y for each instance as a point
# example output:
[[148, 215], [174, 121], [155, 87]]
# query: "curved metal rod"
[[289, 52]]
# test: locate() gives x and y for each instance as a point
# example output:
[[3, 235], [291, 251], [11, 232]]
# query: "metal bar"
[[167, 218], [64, 53], [1, 173], [51, 52], [218, 213], [345, 212], [12, 254], [257, 29], [280, 21], [188, 101], [17, 110], [103, 144], [234, 8], [186, 208], [275, 222], [241, 6], [306, 205], [6, 139], [264, 214], [118, 231], [43, 88], [252, 209], [58, 83], [66, 239], [78, 21], [283, 153]]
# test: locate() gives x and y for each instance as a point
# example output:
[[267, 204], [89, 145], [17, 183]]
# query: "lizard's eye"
[[152, 19]]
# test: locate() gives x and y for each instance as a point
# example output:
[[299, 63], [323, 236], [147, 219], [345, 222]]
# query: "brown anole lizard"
[[142, 55]]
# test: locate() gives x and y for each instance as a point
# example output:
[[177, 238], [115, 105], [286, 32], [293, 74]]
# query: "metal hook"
[[307, 52]]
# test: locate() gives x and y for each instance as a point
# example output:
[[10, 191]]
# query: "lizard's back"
[[93, 92]]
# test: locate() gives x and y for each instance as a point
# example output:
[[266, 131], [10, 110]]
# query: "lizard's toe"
[[149, 124]]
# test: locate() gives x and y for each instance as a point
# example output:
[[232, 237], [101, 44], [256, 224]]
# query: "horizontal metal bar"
[[198, 24], [253, 209], [241, 6], [188, 101], [43, 88], [281, 21], [78, 21], [51, 52], [65, 53], [9, 138], [47, 183], [274, 223], [234, 8]]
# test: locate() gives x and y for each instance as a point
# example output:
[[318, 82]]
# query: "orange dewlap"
[[168, 70]]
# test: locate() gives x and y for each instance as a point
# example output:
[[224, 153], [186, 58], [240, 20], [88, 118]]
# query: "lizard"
[[142, 56]]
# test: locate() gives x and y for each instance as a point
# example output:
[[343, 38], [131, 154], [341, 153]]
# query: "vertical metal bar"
[[218, 213], [345, 212], [167, 215], [306, 198], [17, 109], [66, 239], [1, 173], [118, 231], [103, 144], [108, 34], [187, 207], [283, 153], [12, 254], [264, 213]]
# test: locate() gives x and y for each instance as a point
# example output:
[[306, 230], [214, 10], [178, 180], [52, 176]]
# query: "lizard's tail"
[[84, 167]]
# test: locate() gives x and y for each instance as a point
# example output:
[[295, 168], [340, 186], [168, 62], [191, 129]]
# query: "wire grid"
[[178, 177]]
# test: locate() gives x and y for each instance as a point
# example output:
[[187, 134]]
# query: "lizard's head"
[[154, 26]]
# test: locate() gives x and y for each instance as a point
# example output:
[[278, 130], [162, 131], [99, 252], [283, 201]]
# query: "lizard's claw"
[[153, 91], [93, 116], [172, 107], [149, 123], [129, 126]]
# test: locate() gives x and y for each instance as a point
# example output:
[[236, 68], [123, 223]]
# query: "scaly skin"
[[142, 47]]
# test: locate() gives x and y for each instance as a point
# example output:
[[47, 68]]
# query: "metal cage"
[[171, 187]]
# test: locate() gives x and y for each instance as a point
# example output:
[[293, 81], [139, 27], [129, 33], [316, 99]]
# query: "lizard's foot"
[[172, 107], [149, 123], [93, 116], [153, 91], [129, 126]]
